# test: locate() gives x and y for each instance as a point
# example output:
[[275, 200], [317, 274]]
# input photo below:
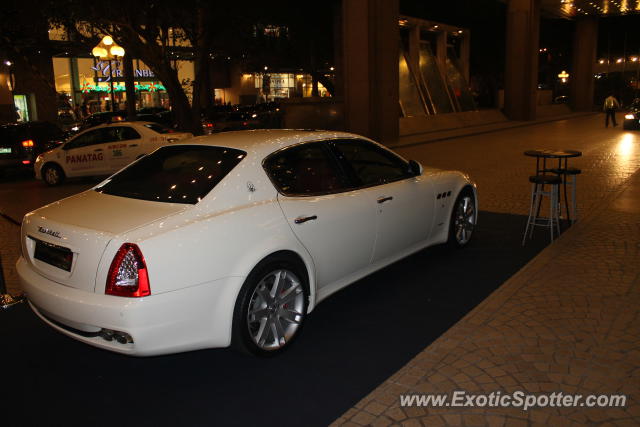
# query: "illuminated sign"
[[105, 73], [151, 87]]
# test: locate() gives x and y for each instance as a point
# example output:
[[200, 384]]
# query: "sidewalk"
[[441, 135], [9, 252], [569, 321]]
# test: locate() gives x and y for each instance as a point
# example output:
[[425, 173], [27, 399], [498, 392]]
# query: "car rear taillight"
[[27, 143], [209, 125], [26, 162], [128, 273]]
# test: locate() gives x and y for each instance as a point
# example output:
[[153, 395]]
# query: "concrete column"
[[7, 108], [585, 42], [414, 47], [75, 81], [465, 54], [370, 67], [521, 71], [441, 49]]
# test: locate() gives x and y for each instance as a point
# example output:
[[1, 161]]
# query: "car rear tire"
[[271, 307], [52, 175], [463, 219]]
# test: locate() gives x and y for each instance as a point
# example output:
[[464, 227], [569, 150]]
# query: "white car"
[[103, 150], [232, 239]]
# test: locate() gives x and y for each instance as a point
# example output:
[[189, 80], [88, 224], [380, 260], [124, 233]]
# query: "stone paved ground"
[[9, 252], [495, 160], [567, 322]]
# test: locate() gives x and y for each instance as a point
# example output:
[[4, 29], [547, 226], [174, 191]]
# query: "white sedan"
[[102, 150], [232, 239]]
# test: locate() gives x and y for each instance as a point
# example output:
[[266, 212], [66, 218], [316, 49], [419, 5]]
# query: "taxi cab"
[[103, 150]]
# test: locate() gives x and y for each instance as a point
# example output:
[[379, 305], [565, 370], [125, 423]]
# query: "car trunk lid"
[[64, 241]]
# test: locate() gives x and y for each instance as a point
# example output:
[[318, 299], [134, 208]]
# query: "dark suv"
[[20, 143]]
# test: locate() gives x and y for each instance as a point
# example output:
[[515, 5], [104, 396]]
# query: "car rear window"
[[174, 174], [11, 135], [156, 127]]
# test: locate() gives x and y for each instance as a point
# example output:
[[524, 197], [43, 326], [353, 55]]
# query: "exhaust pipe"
[[120, 337], [7, 301], [106, 334]]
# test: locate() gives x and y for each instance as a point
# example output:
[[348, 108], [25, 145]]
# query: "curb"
[[11, 220]]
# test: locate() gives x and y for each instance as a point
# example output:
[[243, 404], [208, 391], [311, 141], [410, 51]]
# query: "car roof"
[[262, 142], [123, 123]]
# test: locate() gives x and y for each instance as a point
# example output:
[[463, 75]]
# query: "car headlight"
[[629, 117]]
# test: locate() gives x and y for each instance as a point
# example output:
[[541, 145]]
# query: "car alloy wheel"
[[52, 175], [463, 219], [276, 309]]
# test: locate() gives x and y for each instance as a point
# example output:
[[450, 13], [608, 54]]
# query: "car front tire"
[[52, 174], [271, 307], [463, 219]]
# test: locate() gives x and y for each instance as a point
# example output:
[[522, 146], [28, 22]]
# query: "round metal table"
[[563, 156]]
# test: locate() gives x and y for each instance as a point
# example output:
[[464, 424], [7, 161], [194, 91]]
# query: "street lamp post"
[[109, 50]]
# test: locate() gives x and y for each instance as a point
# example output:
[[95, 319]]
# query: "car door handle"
[[133, 145], [98, 149], [384, 199], [302, 219]]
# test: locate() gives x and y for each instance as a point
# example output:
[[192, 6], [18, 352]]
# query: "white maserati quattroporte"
[[232, 239]]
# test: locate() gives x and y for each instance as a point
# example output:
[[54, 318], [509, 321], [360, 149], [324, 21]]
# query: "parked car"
[[147, 114], [232, 239], [632, 117], [227, 121], [153, 110], [67, 120], [562, 99], [102, 150], [100, 118], [20, 143], [163, 117]]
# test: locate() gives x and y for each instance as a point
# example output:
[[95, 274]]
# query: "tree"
[[24, 41], [159, 34]]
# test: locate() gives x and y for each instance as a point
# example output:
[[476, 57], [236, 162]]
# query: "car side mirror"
[[415, 168]]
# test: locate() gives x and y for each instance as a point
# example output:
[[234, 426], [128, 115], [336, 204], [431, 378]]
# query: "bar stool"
[[537, 193], [565, 173]]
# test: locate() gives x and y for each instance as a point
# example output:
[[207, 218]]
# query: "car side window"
[[307, 169], [86, 139], [124, 133], [119, 133], [369, 163]]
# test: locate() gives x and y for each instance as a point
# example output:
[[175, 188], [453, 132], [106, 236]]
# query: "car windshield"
[[156, 127], [174, 174]]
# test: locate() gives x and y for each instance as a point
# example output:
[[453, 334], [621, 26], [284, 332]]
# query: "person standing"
[[611, 104]]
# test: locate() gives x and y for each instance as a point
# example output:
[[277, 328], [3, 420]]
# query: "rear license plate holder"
[[57, 256]]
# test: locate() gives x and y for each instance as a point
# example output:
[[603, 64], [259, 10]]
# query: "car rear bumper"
[[188, 319], [16, 163], [631, 124]]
